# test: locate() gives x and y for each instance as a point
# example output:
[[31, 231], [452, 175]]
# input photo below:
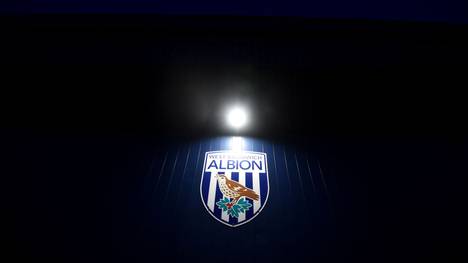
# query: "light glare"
[[237, 117], [237, 144]]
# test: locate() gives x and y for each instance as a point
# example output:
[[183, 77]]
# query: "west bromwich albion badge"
[[234, 185]]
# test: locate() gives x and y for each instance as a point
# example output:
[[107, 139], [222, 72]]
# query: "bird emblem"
[[234, 190]]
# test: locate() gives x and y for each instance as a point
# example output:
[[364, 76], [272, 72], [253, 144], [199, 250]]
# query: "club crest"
[[234, 185]]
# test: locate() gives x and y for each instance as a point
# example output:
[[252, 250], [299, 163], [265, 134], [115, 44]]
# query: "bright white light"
[[237, 117]]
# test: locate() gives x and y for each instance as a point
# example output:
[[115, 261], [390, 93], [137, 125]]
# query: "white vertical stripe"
[[212, 192], [242, 182], [224, 214], [256, 188]]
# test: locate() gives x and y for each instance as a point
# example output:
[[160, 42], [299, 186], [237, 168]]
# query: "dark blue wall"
[[170, 221], [111, 198]]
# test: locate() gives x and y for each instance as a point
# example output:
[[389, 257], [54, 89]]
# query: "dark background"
[[90, 101], [453, 11]]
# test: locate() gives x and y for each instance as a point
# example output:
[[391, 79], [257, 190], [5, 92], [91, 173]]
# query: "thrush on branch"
[[234, 190]]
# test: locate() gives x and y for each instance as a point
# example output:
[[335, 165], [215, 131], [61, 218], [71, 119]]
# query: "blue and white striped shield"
[[234, 185]]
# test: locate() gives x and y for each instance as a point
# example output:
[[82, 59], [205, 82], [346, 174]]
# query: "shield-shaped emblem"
[[234, 186]]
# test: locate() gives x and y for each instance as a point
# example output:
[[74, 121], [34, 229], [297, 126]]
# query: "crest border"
[[268, 187]]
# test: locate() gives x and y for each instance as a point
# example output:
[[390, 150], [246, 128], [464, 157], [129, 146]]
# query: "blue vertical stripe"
[[234, 177], [206, 186]]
